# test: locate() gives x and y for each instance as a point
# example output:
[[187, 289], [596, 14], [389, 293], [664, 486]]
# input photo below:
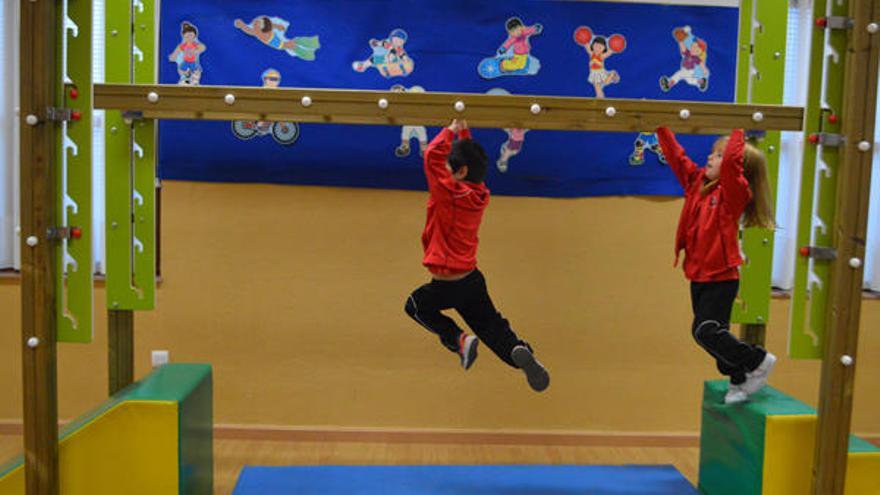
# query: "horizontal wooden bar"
[[463, 436], [335, 106]]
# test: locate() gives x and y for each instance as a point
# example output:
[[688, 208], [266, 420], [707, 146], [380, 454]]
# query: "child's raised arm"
[[685, 169], [464, 132], [437, 152], [734, 185], [436, 155]]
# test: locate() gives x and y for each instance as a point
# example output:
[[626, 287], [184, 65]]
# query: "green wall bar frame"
[[74, 279], [818, 192], [760, 72], [144, 138], [128, 245]]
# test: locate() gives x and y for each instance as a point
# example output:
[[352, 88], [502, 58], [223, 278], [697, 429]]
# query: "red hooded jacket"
[[455, 210], [708, 229]]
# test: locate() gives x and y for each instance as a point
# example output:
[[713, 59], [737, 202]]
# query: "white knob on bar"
[[33, 342], [684, 114], [32, 241], [32, 120], [873, 27], [846, 360], [535, 109], [229, 99], [864, 146], [855, 263], [611, 111], [153, 97], [306, 101], [757, 116], [383, 103], [459, 106]]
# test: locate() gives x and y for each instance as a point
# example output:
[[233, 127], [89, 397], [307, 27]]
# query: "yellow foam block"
[[789, 443], [131, 448], [12, 483]]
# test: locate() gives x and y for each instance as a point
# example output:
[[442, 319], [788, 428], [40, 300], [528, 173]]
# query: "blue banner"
[[540, 47]]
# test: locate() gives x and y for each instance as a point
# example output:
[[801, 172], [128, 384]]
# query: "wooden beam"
[[437, 109], [120, 341], [849, 232], [38, 30]]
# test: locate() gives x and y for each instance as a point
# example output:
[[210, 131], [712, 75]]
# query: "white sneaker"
[[735, 394], [467, 349], [757, 379]]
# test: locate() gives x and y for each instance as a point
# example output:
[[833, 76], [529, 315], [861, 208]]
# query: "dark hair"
[[467, 152], [267, 24], [600, 40], [513, 23], [188, 28]]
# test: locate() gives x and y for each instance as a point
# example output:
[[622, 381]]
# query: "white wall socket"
[[160, 358]]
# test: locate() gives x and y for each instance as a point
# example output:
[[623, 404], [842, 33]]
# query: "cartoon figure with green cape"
[[272, 31]]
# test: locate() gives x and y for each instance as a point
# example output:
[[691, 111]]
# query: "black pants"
[[470, 297], [712, 302]]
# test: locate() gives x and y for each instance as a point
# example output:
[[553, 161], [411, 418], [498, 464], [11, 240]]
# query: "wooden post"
[[39, 30], [755, 334], [120, 341], [849, 231]]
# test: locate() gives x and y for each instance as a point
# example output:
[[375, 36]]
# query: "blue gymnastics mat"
[[469, 480]]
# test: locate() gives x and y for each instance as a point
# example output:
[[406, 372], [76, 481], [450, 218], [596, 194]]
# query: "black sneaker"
[[664, 84], [402, 151], [467, 349], [535, 372]]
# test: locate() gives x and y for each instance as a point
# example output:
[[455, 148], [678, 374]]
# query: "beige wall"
[[296, 296]]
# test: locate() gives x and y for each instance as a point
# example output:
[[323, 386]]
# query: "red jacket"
[[455, 210], [708, 229]]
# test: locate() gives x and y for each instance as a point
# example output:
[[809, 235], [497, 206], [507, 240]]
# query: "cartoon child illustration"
[[646, 141], [410, 132], [272, 31], [515, 139], [389, 57], [693, 61], [514, 55], [518, 40], [600, 48], [285, 133], [186, 55], [271, 79], [511, 147]]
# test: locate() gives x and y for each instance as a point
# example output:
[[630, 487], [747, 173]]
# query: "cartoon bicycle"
[[285, 133]]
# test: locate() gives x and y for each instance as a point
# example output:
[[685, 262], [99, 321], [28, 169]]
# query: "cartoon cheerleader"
[[272, 31], [600, 48]]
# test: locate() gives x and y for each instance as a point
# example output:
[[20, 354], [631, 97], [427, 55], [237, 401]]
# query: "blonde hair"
[[759, 211]]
